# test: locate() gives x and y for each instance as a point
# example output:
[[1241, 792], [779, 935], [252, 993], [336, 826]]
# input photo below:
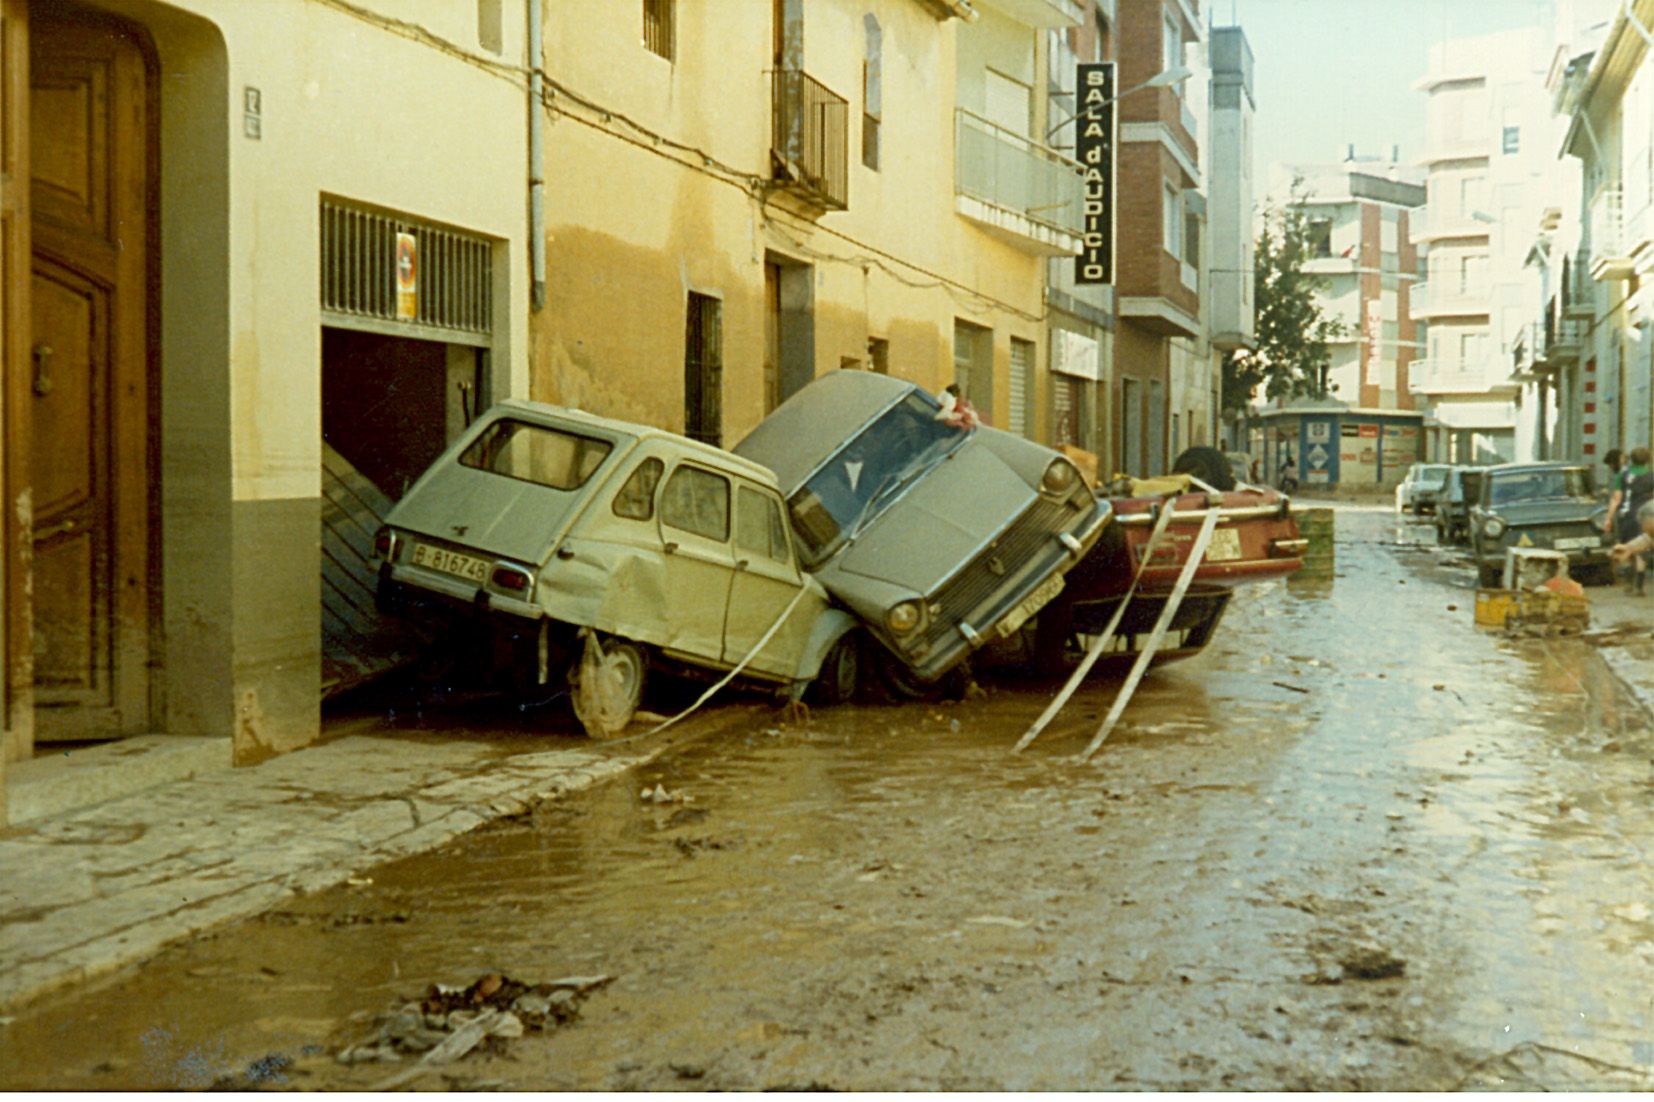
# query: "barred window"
[[659, 30]]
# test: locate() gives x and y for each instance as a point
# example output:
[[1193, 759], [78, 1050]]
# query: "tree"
[[1293, 334]]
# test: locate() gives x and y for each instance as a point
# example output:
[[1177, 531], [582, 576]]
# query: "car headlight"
[[1059, 477], [1493, 528], [904, 617]]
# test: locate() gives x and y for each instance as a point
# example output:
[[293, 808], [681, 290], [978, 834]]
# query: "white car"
[[1417, 493]]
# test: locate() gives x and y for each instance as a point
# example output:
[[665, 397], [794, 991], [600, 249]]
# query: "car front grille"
[[962, 598]]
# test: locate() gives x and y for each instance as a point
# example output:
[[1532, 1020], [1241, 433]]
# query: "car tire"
[[840, 676], [1207, 464], [902, 685], [606, 686]]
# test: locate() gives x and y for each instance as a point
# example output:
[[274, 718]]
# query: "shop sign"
[[1094, 149], [407, 276]]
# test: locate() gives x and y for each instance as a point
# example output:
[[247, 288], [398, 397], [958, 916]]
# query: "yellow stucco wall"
[[656, 187]]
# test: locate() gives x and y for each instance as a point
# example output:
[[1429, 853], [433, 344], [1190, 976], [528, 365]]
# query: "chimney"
[[1395, 154], [1349, 155]]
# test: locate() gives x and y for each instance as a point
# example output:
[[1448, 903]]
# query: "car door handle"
[[669, 547], [742, 564]]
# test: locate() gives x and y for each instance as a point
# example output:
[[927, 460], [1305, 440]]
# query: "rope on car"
[[1095, 651], [739, 666]]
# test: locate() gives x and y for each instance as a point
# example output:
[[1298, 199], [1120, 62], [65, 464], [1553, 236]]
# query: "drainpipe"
[[536, 158]]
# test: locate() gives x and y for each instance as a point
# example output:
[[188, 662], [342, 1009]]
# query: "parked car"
[[1240, 467], [542, 525], [1463, 486], [940, 536], [1547, 505], [1417, 493]]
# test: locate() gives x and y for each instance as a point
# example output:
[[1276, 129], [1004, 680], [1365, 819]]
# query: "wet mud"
[[1357, 843]]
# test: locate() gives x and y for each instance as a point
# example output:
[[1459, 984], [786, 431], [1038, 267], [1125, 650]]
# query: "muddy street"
[[1357, 844]]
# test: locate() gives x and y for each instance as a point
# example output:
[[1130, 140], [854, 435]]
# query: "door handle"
[[669, 547], [741, 564], [42, 370]]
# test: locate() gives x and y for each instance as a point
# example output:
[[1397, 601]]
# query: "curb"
[[498, 789]]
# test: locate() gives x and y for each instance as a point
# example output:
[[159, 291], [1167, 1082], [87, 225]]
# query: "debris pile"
[[451, 1021]]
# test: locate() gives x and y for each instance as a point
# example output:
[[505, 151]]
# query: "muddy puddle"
[[1355, 844]]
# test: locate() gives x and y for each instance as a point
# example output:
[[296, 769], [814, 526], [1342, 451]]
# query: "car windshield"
[[846, 491], [1433, 476], [1563, 483], [534, 453]]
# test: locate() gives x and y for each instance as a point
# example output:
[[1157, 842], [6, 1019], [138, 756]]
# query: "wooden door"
[[89, 125]]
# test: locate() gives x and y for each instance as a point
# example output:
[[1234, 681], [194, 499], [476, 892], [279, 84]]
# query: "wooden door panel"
[[71, 462], [69, 316], [91, 468], [70, 102]]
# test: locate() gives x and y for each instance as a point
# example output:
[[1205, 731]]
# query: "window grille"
[[453, 298], [659, 33]]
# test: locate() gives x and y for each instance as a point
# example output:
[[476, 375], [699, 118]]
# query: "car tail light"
[[384, 544], [511, 578]]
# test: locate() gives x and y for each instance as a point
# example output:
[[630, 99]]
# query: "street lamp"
[[1177, 74]]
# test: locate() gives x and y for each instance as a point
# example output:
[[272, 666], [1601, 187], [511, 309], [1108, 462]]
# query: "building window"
[[703, 371], [490, 31], [659, 29], [1172, 47], [872, 92], [878, 355], [1320, 238], [1171, 212], [1022, 385], [1512, 139]]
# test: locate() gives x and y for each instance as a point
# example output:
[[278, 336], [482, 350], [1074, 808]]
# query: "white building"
[[1488, 153]]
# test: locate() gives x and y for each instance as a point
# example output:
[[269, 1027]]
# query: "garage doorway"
[[407, 332]]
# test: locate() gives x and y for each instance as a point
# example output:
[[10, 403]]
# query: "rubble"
[[451, 1021]]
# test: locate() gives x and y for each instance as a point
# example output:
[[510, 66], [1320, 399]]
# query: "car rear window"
[[535, 453]]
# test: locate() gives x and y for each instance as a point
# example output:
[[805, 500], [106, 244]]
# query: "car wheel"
[[1207, 464], [607, 686], [840, 674], [902, 684]]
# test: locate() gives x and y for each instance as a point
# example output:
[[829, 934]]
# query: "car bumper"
[[945, 644]]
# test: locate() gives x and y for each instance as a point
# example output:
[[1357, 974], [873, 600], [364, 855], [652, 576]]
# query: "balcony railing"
[[810, 138], [1020, 177], [1447, 295], [1445, 376], [1418, 300], [1561, 337], [1610, 258]]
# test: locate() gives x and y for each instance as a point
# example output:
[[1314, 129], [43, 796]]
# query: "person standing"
[[1635, 490]]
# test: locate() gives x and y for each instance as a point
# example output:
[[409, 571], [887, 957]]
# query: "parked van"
[[549, 533], [941, 535]]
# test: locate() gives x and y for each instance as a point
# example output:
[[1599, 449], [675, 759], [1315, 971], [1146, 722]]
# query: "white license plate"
[[1225, 545], [1031, 604], [1574, 543], [450, 562]]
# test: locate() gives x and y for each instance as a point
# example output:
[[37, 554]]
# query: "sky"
[[1332, 72]]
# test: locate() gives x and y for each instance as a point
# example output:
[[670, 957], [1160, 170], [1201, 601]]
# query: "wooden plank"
[[1101, 642], [1197, 554]]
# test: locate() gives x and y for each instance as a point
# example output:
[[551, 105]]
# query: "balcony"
[[1578, 288], [1445, 376], [1448, 297], [810, 140], [1329, 265], [1560, 338], [1610, 255], [1418, 300], [1048, 14], [1016, 188], [1436, 222]]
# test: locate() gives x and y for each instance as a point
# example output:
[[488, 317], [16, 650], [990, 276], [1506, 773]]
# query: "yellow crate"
[[1509, 608]]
